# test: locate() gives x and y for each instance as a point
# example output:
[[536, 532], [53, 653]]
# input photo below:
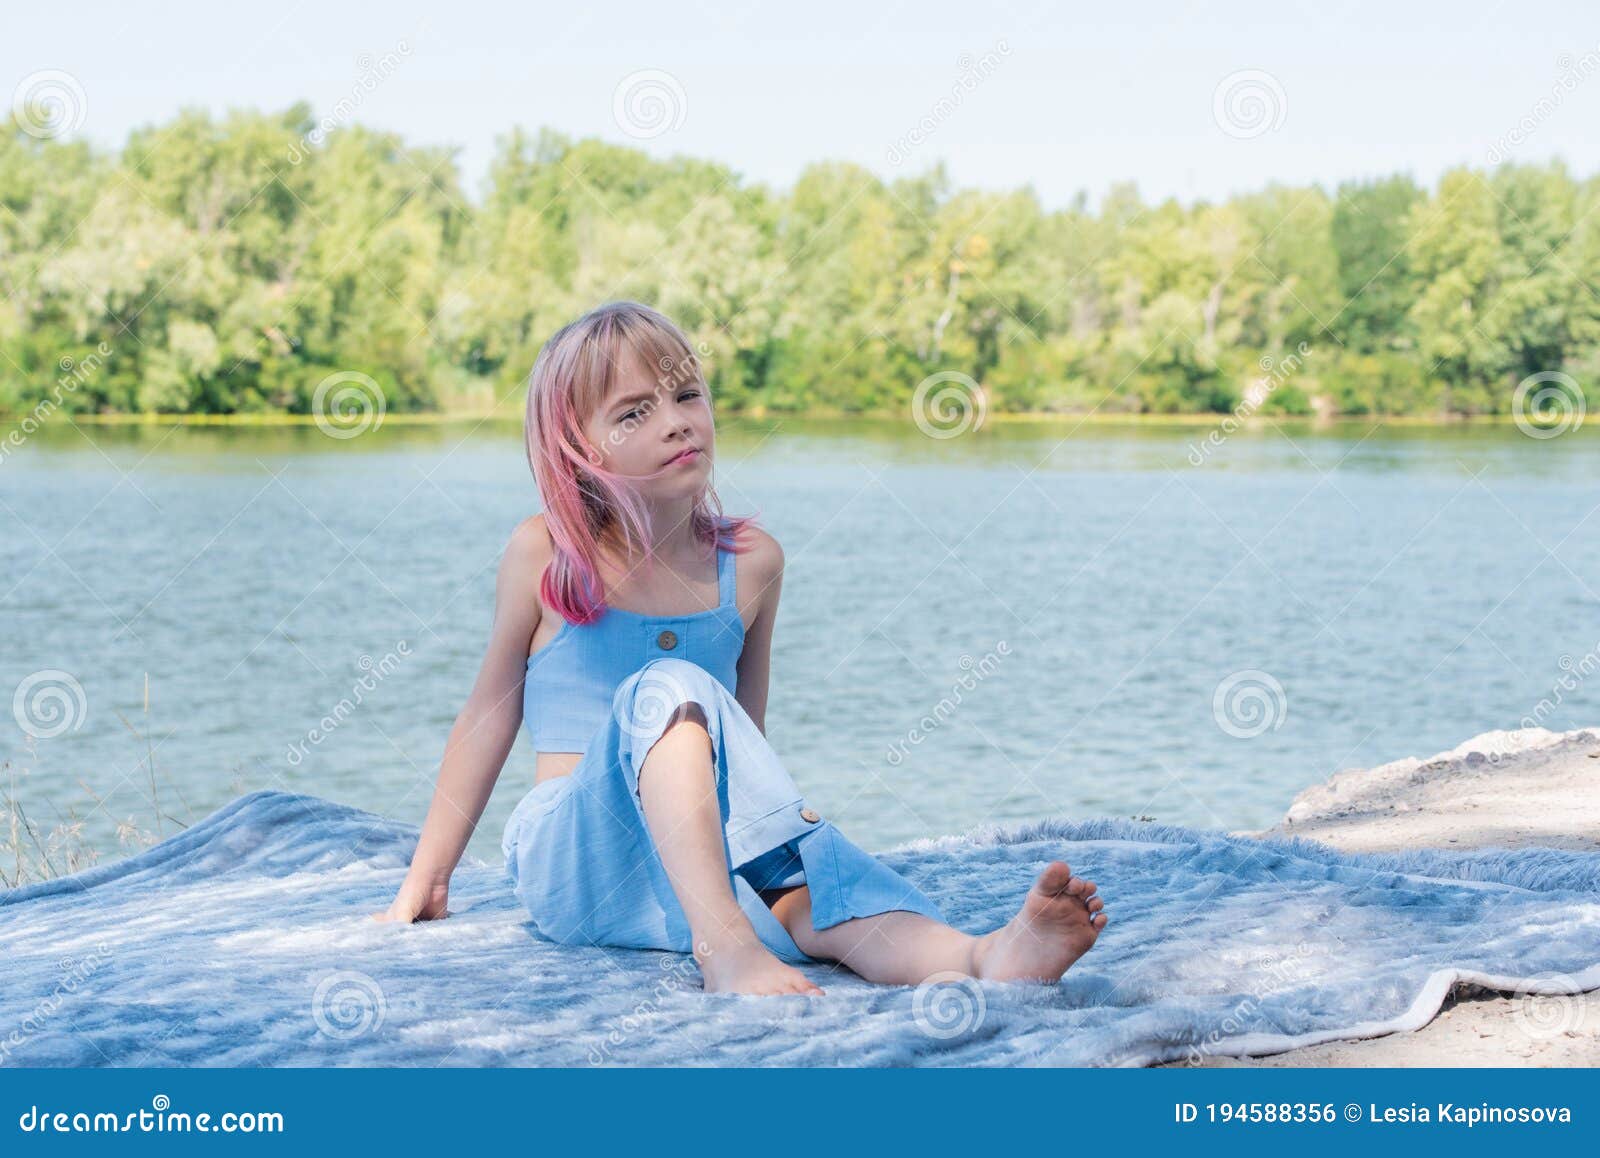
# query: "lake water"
[[1405, 587]]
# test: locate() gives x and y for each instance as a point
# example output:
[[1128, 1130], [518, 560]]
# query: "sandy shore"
[[1508, 789]]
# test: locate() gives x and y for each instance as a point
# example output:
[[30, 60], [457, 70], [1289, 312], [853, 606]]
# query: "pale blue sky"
[[1081, 95]]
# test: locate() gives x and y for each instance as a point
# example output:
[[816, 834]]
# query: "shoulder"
[[531, 542], [528, 552], [761, 557]]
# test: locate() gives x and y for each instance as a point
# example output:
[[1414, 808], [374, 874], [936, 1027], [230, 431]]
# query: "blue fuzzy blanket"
[[247, 941]]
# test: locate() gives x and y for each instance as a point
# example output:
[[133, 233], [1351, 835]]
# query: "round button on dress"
[[810, 815], [667, 640]]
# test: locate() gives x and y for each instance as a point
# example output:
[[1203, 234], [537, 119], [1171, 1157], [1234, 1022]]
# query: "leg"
[[1058, 923], [677, 788]]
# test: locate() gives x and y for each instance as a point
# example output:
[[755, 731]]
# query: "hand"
[[419, 899]]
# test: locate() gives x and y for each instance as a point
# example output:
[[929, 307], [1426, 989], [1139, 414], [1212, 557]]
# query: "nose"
[[681, 421]]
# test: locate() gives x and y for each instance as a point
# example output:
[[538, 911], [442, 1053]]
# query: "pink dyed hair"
[[571, 377]]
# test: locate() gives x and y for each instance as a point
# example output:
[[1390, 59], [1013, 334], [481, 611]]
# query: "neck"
[[673, 529]]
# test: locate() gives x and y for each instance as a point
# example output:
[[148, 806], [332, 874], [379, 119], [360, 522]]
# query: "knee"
[[658, 694], [793, 910]]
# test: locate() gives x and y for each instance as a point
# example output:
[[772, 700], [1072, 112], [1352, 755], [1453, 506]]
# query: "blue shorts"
[[582, 861]]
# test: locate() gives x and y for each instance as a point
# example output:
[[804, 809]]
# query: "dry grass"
[[33, 848]]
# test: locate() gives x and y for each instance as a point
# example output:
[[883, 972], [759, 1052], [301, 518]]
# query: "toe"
[[1056, 876], [1096, 904], [1098, 920]]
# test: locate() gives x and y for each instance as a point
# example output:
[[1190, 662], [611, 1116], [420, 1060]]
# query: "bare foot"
[[735, 966], [1055, 927]]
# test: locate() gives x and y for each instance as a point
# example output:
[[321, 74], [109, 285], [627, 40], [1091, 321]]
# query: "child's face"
[[652, 421]]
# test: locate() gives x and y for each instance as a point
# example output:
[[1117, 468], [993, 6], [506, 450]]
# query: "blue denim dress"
[[577, 847]]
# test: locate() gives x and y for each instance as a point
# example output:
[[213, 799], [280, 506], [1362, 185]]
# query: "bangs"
[[624, 338]]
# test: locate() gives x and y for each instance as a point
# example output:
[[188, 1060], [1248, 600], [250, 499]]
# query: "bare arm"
[[484, 731], [765, 559]]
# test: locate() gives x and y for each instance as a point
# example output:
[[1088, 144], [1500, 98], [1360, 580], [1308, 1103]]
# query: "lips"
[[687, 456]]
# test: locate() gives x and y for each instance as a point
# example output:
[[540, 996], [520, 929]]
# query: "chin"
[[687, 485]]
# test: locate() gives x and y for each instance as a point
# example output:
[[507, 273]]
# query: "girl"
[[632, 635]]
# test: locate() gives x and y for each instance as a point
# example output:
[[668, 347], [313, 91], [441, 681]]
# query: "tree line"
[[230, 265]]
